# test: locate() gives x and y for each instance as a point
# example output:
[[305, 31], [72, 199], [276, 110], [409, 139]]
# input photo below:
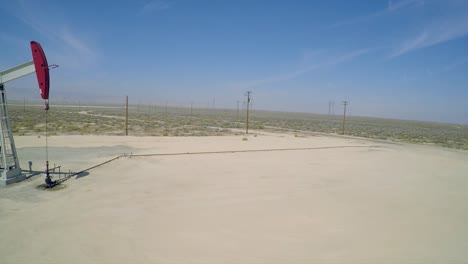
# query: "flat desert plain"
[[291, 199]]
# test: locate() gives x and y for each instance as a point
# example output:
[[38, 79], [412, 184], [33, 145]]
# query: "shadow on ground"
[[58, 187], [82, 174]]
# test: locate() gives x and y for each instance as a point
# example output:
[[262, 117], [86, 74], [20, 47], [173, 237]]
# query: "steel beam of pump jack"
[[10, 170]]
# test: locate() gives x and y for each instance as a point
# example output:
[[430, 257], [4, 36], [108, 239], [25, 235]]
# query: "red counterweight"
[[42, 69]]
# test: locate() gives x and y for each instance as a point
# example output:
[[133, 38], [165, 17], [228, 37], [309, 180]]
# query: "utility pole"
[[238, 111], [191, 109], [166, 108], [345, 103], [126, 116], [247, 115], [331, 108]]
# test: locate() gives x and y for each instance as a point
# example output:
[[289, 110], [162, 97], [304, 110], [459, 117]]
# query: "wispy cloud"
[[275, 78], [11, 40], [294, 74], [75, 53], [68, 47], [356, 20], [455, 65], [312, 55], [412, 44], [76, 43], [153, 6], [28, 16], [436, 33], [392, 7], [396, 5], [348, 56]]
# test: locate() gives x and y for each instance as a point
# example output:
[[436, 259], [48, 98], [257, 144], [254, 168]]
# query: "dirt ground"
[[312, 199]]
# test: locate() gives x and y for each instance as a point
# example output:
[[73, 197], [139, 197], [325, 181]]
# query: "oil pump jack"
[[10, 170]]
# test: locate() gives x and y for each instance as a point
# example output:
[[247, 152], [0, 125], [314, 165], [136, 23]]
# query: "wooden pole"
[[237, 111], [247, 115], [344, 116], [126, 116]]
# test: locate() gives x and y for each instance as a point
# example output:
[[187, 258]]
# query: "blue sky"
[[397, 59]]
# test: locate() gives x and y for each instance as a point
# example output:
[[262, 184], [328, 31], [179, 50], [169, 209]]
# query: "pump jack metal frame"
[[10, 170]]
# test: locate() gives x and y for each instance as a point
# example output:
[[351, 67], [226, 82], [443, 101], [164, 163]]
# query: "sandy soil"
[[358, 202]]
